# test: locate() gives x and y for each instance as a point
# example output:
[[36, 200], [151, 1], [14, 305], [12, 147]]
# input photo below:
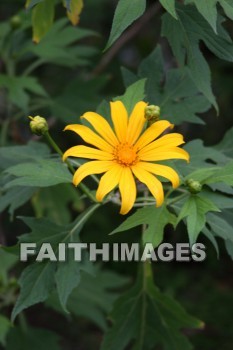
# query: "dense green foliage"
[[180, 62]]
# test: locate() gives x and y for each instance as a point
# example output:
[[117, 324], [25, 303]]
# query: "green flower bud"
[[152, 113], [38, 125], [15, 22], [194, 186]]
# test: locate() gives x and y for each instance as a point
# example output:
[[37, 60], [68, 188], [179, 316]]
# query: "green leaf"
[[93, 306], [209, 11], [128, 77], [223, 175], [59, 45], [42, 19], [67, 278], [155, 218], [7, 262], [202, 175], [18, 154], [35, 339], [36, 283], [226, 145], [186, 33], [68, 273], [194, 210], [18, 88], [169, 5], [133, 94], [38, 279], [222, 188], [30, 3], [147, 317], [227, 5], [44, 173], [222, 201], [5, 29], [212, 239], [220, 226], [126, 13], [104, 110], [15, 198], [200, 157], [173, 91], [69, 105], [5, 326], [180, 100], [229, 247], [47, 203]]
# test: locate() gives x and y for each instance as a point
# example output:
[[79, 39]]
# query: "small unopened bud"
[[38, 125], [152, 113], [15, 22], [194, 186]]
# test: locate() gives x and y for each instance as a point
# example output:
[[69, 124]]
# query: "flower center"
[[125, 154]]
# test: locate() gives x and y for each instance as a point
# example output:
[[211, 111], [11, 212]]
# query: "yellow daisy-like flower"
[[126, 152]]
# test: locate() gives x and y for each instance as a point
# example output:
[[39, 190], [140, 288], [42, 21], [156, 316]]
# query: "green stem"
[[4, 131], [23, 323], [176, 199], [33, 66], [144, 296], [143, 199], [83, 219], [54, 145], [10, 69], [57, 149], [143, 204]]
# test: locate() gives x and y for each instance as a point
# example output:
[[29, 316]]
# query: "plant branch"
[[128, 35]]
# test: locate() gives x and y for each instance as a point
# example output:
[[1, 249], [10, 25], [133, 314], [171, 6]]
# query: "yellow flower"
[[126, 152]]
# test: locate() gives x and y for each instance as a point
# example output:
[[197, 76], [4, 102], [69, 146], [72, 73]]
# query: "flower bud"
[[194, 186], [38, 125], [152, 113], [15, 22]]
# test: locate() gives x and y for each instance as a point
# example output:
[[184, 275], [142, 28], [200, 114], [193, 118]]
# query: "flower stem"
[[23, 323], [176, 199], [83, 187]]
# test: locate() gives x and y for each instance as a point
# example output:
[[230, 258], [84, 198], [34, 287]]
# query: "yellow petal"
[[108, 181], [152, 133], [94, 167], [90, 137], [128, 190], [136, 122], [170, 140], [162, 170], [165, 153], [87, 152], [120, 119], [101, 126], [153, 184]]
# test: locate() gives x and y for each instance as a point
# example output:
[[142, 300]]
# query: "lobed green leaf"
[[43, 173], [194, 210], [125, 14], [169, 5], [155, 218], [147, 317]]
